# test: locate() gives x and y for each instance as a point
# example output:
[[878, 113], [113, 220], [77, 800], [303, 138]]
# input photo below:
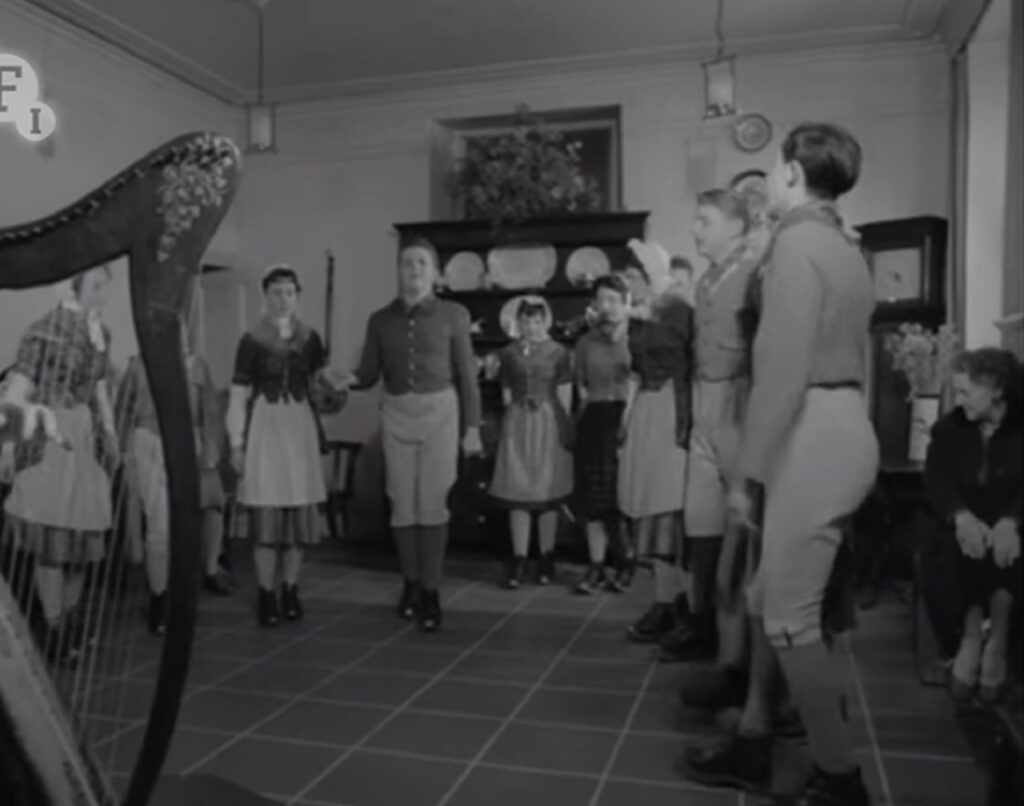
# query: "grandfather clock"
[[907, 258]]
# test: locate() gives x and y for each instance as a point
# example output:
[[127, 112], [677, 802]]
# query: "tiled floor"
[[529, 697]]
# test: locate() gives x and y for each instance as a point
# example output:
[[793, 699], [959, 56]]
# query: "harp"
[[159, 214]]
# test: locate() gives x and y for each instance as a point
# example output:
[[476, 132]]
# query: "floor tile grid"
[[302, 695], [110, 741], [533, 689], [869, 723], [190, 694], [523, 602], [623, 733], [539, 723], [681, 785], [198, 642], [576, 726]]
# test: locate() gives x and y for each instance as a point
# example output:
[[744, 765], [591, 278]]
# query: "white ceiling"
[[321, 48]]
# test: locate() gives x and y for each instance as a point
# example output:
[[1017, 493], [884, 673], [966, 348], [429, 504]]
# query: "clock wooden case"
[[908, 260], [908, 263]]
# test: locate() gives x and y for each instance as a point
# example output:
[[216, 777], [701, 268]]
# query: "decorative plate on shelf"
[[752, 132], [586, 264], [464, 272], [522, 265]]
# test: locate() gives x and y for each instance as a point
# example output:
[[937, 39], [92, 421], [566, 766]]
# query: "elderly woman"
[[973, 483]]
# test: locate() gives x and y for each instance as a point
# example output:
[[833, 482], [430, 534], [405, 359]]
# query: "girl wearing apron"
[[533, 470], [59, 508], [275, 438]]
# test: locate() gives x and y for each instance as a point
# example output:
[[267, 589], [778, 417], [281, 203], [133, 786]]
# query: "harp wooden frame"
[[162, 212]]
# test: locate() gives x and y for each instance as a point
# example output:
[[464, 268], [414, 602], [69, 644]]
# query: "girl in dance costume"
[[275, 438], [59, 508], [533, 471]]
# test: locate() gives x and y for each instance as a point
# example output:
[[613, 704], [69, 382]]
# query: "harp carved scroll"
[[60, 743]]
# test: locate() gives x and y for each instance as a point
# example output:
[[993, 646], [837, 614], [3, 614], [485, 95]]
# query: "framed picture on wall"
[[596, 131]]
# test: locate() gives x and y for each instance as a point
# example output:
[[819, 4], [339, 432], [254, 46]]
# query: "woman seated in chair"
[[973, 487]]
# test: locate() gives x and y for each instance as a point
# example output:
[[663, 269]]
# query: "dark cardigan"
[[964, 472]]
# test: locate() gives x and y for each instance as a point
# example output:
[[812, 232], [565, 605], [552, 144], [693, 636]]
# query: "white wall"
[[988, 71], [347, 171], [111, 110]]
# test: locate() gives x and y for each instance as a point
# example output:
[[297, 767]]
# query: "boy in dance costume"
[[807, 441], [721, 383], [420, 347]]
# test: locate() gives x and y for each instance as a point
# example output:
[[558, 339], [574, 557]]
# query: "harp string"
[[137, 672], [50, 383], [111, 672], [189, 324], [19, 537]]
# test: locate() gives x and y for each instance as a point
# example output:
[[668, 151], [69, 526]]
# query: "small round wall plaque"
[[752, 132]]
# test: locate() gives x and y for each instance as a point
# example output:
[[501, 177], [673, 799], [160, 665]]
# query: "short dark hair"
[[529, 308], [829, 155], [994, 367], [680, 262], [729, 202], [281, 274], [611, 282], [743, 176], [419, 242]]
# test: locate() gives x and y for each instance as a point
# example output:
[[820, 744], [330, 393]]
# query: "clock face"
[[897, 274]]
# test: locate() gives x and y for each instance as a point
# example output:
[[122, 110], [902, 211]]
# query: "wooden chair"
[[340, 460]]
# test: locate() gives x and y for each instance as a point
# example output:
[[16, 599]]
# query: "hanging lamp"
[[719, 75], [260, 117]]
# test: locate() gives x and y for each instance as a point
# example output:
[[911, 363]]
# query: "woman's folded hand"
[[1005, 541]]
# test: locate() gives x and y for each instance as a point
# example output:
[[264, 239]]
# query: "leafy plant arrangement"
[[925, 357], [529, 172]]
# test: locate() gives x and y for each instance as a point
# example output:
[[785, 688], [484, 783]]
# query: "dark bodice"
[[659, 347], [533, 374], [279, 370]]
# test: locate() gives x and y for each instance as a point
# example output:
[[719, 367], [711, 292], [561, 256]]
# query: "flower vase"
[[924, 411]]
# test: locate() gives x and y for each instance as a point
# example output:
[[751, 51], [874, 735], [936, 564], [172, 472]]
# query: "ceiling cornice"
[[124, 38], [918, 23]]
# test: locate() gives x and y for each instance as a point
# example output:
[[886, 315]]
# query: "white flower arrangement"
[[925, 357]]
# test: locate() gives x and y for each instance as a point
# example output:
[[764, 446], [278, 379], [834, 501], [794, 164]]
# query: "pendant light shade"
[[261, 128], [260, 117], [720, 75], [719, 87]]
